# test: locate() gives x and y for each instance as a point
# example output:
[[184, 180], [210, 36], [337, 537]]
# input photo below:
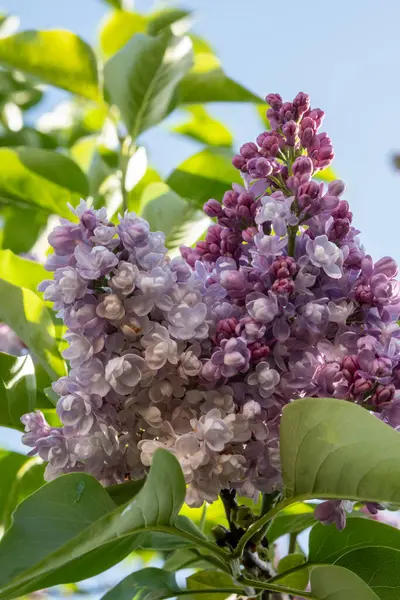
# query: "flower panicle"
[[200, 353]]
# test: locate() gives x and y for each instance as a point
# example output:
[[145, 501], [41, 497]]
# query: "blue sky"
[[345, 54]]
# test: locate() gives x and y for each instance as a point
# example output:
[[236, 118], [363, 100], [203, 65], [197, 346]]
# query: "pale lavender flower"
[[265, 378], [262, 308], [159, 347], [92, 263], [123, 373], [326, 255], [124, 278]]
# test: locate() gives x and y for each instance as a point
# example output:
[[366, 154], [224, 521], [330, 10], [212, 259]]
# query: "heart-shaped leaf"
[[337, 583], [335, 449]]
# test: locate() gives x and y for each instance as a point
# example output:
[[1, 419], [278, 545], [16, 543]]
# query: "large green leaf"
[[22, 227], [28, 136], [211, 581], [378, 567], [136, 193], [55, 167], [21, 476], [141, 78], [57, 57], [123, 492], [204, 128], [19, 90], [337, 583], [207, 82], [21, 271], [166, 211], [327, 544], [147, 584], [335, 449], [31, 320], [293, 519], [158, 584], [326, 175], [207, 174], [17, 390], [10, 464], [178, 18], [50, 518], [368, 548], [298, 579], [76, 547], [118, 28], [40, 181]]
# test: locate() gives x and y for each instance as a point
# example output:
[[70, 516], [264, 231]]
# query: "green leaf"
[[147, 584], [118, 28], [185, 558], [28, 136], [22, 227], [114, 3], [297, 580], [123, 492], [57, 57], [136, 193], [200, 45], [211, 581], [49, 519], [10, 464], [22, 186], [327, 544], [379, 567], [17, 390], [335, 449], [21, 476], [19, 90], [293, 519], [79, 546], [31, 320], [262, 113], [21, 271], [55, 167], [158, 584], [207, 174], [177, 17], [142, 77], [165, 210], [326, 175], [207, 82], [204, 128], [215, 515], [337, 583]]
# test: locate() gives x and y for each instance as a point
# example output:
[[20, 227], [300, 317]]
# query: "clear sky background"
[[346, 54]]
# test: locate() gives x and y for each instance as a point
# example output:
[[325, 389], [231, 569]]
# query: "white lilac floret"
[[199, 354]]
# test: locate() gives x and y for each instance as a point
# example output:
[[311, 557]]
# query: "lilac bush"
[[199, 354]]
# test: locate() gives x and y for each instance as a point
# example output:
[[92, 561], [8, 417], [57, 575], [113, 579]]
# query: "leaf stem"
[[296, 569], [197, 541], [281, 589], [292, 232], [292, 542], [258, 525]]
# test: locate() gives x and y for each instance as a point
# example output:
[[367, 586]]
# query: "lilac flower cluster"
[[200, 354]]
